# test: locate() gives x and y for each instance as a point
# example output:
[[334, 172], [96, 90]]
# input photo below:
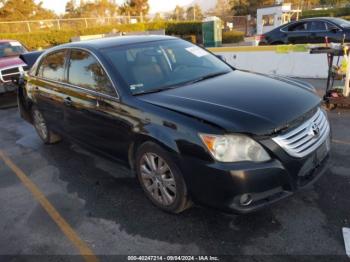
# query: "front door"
[[92, 107]]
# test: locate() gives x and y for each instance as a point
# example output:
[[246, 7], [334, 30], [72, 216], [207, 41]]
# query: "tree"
[[135, 7], [194, 13], [249, 7], [223, 9], [304, 4], [15, 10], [334, 3], [178, 14], [98, 8], [158, 17]]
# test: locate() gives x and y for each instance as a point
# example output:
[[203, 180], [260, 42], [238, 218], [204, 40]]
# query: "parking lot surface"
[[102, 204]]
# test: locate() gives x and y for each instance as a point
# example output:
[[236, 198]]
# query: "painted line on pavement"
[[341, 142], [346, 235], [68, 231]]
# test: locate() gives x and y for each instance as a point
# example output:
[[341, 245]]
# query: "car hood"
[[241, 101], [10, 62]]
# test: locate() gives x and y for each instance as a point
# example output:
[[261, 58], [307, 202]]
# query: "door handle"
[[68, 101]]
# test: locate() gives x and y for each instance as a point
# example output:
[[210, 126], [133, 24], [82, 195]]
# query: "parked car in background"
[[11, 67], [312, 30], [193, 128]]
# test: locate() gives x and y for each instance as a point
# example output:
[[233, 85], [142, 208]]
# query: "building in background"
[[268, 18]]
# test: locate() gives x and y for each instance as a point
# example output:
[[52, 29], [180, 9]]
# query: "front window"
[[161, 65], [85, 71], [317, 26], [11, 49]]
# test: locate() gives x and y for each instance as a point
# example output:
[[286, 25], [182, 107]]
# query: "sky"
[[156, 5]]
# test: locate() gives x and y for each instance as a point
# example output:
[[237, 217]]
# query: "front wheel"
[[46, 135], [161, 179]]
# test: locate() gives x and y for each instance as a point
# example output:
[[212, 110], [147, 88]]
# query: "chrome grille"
[[9, 74], [306, 138]]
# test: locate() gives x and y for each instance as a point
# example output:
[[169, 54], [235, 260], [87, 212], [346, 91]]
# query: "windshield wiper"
[[209, 76], [157, 90]]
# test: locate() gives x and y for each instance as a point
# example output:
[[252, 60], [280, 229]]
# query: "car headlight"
[[234, 148]]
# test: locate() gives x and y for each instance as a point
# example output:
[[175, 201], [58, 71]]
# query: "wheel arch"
[[160, 138], [24, 104]]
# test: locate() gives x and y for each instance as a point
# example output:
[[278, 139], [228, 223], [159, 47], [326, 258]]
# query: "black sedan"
[[194, 129], [312, 30]]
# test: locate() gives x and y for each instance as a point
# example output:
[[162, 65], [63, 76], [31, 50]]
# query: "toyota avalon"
[[191, 127]]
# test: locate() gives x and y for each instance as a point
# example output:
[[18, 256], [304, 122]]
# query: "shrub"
[[45, 39], [334, 12], [232, 37], [183, 28]]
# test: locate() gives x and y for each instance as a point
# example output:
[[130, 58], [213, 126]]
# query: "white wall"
[[294, 64]]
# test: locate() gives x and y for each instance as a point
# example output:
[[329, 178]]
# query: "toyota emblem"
[[315, 129]]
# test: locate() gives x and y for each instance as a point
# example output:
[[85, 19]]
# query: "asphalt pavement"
[[63, 201]]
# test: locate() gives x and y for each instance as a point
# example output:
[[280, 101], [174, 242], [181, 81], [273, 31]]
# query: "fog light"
[[246, 199]]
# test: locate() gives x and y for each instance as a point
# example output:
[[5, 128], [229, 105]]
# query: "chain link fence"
[[66, 24]]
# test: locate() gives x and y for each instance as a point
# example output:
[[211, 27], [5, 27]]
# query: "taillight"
[[260, 37]]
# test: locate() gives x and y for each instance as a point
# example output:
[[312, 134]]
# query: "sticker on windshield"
[[197, 51], [15, 44]]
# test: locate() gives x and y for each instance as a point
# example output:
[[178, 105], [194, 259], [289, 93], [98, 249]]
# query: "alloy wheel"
[[158, 179], [40, 124]]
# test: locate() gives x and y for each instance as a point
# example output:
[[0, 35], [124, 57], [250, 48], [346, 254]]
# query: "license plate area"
[[315, 159], [322, 151]]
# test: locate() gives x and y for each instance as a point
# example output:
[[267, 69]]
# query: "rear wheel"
[[46, 135], [277, 43], [161, 179]]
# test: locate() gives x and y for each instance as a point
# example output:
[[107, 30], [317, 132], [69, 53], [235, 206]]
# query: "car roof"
[[332, 19], [107, 42], [7, 40]]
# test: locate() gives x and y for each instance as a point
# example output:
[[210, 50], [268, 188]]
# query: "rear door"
[[47, 87], [93, 115]]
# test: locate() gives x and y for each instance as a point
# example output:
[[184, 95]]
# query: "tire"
[[277, 43], [330, 106], [45, 134], [165, 187]]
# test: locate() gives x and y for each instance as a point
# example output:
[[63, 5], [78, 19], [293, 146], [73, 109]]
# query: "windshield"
[[342, 22], [156, 66], [11, 49]]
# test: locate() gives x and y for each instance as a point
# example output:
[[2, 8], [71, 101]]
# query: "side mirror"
[[334, 29]]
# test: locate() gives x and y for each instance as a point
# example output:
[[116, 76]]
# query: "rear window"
[[297, 27], [52, 66]]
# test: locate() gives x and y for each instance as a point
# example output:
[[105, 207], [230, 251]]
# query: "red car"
[[11, 67]]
